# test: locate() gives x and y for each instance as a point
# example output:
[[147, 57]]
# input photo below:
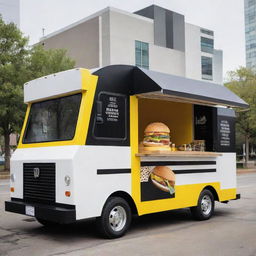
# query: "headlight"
[[67, 180], [13, 177]]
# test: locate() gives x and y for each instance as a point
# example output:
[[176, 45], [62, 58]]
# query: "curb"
[[4, 175], [243, 171]]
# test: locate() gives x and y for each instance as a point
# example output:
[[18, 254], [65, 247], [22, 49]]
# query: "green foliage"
[[45, 62], [243, 83], [18, 64], [13, 60]]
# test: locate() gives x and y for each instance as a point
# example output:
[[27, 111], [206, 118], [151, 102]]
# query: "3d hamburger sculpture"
[[156, 137], [163, 178]]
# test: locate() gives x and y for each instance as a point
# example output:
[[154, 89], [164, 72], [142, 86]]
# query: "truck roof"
[[133, 80]]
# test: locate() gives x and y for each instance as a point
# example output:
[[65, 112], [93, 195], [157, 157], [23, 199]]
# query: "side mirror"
[[99, 119]]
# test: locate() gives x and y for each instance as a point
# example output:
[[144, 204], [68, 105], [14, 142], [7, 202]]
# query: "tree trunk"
[[246, 150], [7, 153]]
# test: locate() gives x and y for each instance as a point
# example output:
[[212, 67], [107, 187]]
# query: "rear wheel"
[[205, 206], [115, 218]]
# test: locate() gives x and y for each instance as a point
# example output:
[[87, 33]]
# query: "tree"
[[44, 62], [19, 64], [13, 52], [243, 83]]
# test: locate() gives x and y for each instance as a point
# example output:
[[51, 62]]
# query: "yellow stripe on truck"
[[89, 84], [135, 161], [185, 196], [20, 145]]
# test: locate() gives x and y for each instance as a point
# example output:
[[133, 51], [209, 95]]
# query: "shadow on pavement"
[[86, 229]]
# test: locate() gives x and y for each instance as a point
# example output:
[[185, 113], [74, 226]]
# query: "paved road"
[[232, 231]]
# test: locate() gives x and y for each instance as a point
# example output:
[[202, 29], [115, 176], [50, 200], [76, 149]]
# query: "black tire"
[[115, 218], [47, 223], [205, 206]]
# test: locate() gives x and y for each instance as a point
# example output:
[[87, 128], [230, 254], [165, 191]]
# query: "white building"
[[154, 38], [10, 11]]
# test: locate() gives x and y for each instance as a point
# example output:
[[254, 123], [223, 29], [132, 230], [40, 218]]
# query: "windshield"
[[53, 120]]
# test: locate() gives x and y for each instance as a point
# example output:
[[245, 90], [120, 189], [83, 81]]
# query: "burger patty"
[[157, 139], [160, 179], [157, 136]]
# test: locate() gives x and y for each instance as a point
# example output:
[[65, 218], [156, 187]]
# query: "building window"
[[206, 63], [141, 54], [207, 32], [251, 3], [206, 45]]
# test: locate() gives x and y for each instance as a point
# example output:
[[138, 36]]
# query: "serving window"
[[177, 116], [192, 127]]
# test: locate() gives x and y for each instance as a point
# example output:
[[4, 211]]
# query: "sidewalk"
[[4, 175], [242, 171]]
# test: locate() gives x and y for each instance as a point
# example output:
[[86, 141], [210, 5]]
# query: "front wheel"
[[205, 206], [115, 218]]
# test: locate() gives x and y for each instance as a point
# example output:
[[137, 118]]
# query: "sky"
[[224, 17]]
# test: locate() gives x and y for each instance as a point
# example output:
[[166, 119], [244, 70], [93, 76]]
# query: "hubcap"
[[117, 218], [206, 205]]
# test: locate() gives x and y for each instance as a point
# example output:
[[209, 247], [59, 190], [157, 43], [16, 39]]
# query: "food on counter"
[[173, 148], [182, 147], [185, 147], [198, 145], [156, 137], [163, 178]]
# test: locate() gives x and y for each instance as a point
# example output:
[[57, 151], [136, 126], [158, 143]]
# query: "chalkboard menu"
[[225, 130], [216, 126], [110, 120]]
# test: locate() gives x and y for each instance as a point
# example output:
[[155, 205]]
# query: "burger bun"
[[157, 127]]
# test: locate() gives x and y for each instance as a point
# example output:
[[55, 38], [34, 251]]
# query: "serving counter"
[[177, 154]]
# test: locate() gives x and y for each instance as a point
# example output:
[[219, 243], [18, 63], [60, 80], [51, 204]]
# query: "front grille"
[[39, 189]]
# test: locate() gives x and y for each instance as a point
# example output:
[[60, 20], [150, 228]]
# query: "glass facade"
[[207, 45], [141, 54], [207, 53], [206, 63], [207, 32], [250, 32]]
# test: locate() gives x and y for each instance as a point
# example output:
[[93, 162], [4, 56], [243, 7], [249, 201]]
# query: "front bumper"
[[62, 214]]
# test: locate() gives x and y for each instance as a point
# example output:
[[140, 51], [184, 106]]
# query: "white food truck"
[[80, 153]]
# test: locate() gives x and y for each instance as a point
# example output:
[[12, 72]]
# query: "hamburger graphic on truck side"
[[163, 178]]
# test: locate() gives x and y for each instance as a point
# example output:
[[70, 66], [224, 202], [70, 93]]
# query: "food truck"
[[122, 140]]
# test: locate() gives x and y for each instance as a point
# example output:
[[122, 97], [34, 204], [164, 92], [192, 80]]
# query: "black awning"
[[160, 84]]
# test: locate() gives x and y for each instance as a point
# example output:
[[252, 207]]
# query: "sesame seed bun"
[[157, 127]]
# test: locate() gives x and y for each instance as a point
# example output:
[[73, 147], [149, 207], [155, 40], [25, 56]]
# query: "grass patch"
[[240, 165], [1, 168]]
